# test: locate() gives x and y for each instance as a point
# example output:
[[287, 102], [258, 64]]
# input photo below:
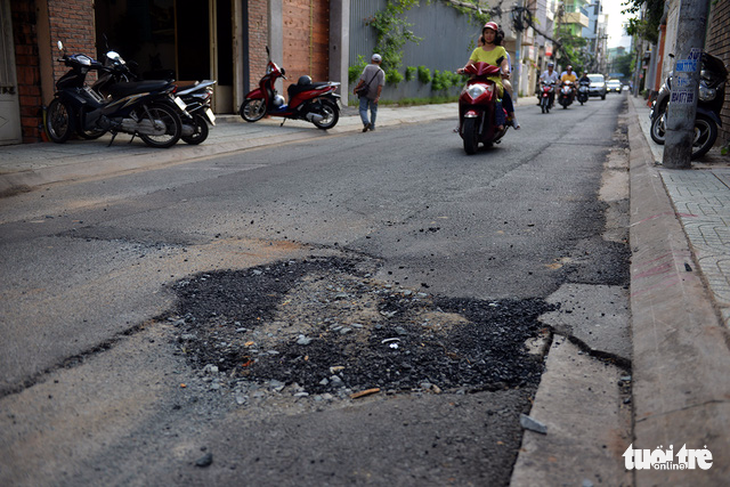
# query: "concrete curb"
[[681, 383]]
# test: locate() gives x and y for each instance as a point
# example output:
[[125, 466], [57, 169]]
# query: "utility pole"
[[518, 56], [682, 107], [638, 46]]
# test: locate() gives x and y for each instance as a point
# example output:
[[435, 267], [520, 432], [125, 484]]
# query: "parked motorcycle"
[[146, 109], [196, 97], [477, 106], [713, 76], [567, 93], [314, 102], [547, 96], [583, 89]]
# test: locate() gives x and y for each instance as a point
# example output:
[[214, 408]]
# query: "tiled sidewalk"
[[701, 199]]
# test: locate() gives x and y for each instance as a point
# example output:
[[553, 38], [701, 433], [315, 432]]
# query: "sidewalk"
[[680, 271], [680, 302]]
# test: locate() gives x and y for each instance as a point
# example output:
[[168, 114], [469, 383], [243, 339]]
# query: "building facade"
[[225, 40], [656, 62]]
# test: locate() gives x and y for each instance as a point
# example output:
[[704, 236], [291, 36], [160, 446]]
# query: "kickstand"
[[282, 123], [133, 136], [114, 136]]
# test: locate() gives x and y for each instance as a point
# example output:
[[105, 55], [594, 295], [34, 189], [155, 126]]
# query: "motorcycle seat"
[[294, 90], [186, 85], [129, 88]]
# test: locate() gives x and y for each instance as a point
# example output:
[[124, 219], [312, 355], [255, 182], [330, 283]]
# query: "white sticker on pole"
[[682, 93]]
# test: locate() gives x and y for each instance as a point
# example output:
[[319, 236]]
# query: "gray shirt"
[[377, 75]]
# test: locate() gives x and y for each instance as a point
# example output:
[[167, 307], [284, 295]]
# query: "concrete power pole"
[[685, 83], [518, 55]]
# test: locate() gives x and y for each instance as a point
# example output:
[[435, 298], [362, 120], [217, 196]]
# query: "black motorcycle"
[[583, 90], [195, 116], [197, 98], [713, 76], [146, 109]]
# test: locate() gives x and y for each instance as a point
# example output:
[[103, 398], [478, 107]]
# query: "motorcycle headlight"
[[475, 91], [707, 94]]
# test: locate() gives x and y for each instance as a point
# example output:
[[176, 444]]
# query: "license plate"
[[180, 103], [211, 117]]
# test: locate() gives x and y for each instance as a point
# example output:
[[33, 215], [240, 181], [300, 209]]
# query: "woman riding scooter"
[[491, 51]]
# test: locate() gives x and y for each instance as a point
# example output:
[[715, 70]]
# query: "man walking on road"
[[370, 85]]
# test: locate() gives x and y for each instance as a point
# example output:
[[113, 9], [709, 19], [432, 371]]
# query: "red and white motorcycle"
[[478, 108], [547, 95], [315, 102]]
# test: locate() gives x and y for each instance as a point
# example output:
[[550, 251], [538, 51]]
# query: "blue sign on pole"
[[686, 66]]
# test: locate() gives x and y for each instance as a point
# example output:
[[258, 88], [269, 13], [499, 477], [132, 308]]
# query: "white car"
[[598, 86], [614, 85]]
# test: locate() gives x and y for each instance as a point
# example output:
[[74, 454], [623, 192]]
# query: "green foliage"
[[393, 76], [411, 72], [414, 101], [472, 9], [623, 64], [648, 27], [354, 71], [392, 32], [443, 80], [572, 49], [424, 75]]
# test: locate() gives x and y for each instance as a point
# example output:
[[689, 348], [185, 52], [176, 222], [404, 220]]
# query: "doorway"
[[188, 41], [10, 132]]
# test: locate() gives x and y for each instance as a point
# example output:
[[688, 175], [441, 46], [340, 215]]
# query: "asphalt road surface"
[[348, 310]]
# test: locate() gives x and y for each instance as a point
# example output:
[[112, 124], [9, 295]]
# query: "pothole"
[[326, 326]]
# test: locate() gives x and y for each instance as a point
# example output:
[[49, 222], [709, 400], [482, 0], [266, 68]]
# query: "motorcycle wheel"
[[253, 109], [545, 105], [59, 123], [470, 135], [163, 117], [330, 113], [201, 131], [705, 136], [658, 129]]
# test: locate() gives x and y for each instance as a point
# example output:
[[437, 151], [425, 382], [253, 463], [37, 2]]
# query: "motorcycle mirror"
[[60, 46], [283, 71], [114, 56]]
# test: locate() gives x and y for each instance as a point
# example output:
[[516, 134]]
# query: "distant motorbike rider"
[[550, 76], [568, 75]]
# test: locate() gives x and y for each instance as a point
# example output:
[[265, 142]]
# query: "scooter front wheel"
[[253, 109], [470, 134]]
